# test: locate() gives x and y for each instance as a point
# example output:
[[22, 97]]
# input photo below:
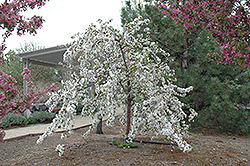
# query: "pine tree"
[[210, 97]]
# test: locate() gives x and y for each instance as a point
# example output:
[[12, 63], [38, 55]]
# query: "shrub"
[[13, 120], [31, 120], [18, 120], [42, 116], [124, 145], [221, 97]]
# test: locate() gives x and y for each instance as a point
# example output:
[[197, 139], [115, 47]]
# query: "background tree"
[[42, 76], [210, 97], [12, 66], [125, 71], [11, 19], [184, 48], [226, 21]]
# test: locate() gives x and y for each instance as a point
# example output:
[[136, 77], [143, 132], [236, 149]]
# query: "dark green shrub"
[[230, 121], [235, 122], [218, 90], [18, 120], [31, 120], [42, 116], [13, 120]]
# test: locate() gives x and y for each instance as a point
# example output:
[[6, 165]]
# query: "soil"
[[96, 149]]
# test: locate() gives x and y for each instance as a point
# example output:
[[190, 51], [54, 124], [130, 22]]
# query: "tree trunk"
[[185, 55], [99, 125], [99, 117], [128, 115]]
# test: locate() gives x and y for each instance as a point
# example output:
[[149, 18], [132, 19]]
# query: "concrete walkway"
[[38, 129]]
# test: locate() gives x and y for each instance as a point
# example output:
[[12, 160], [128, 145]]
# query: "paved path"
[[37, 129]]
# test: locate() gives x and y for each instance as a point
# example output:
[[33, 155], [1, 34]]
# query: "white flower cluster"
[[122, 70], [60, 149]]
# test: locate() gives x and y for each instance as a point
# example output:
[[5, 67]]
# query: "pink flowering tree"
[[11, 18], [226, 21], [11, 101]]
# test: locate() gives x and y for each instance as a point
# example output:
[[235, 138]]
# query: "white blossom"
[[60, 149], [119, 66]]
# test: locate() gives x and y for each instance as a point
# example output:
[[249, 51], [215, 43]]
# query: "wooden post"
[[25, 83]]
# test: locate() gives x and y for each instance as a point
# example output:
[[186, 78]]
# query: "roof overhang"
[[50, 57]]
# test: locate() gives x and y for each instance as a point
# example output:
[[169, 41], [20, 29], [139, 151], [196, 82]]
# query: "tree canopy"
[[125, 71], [11, 18], [226, 21], [218, 88]]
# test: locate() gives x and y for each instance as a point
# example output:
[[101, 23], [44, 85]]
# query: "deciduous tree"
[[10, 99], [125, 71], [11, 18]]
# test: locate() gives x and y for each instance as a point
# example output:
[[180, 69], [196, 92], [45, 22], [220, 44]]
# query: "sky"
[[64, 18]]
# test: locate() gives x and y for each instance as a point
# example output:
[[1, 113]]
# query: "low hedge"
[[18, 120], [13, 120]]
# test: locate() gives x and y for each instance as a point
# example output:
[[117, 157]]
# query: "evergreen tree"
[[218, 88], [184, 48]]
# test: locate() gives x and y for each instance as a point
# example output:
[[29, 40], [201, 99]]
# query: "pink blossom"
[[10, 98], [212, 16], [12, 19]]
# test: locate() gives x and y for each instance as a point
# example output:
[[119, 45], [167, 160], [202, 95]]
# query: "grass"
[[124, 145]]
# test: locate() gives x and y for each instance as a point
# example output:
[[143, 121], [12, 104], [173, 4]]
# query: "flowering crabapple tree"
[[125, 71], [11, 101], [11, 18], [226, 21]]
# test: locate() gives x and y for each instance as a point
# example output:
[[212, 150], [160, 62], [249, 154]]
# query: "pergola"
[[50, 57]]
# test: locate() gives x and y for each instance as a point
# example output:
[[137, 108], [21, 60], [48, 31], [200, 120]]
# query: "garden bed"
[[98, 150]]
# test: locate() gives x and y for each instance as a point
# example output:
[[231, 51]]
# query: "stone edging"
[[36, 134]]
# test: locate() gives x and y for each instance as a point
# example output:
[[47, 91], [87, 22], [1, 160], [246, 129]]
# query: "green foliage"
[[42, 76], [18, 120], [194, 149], [124, 145], [13, 120], [115, 142], [221, 96], [79, 109], [218, 88], [157, 152], [43, 116], [195, 135], [31, 120], [167, 34], [12, 66]]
